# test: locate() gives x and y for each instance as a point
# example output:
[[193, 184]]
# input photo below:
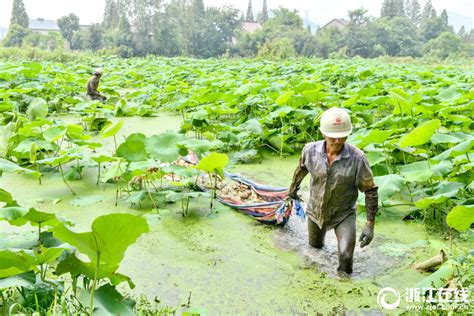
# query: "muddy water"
[[226, 262]]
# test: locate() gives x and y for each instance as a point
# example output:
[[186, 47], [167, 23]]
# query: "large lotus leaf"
[[447, 190], [449, 94], [439, 138], [24, 279], [164, 147], [421, 134], [422, 170], [58, 160], [439, 278], [133, 149], [200, 146], [315, 95], [388, 186], [76, 132], [76, 267], [375, 157], [252, 126], [103, 158], [284, 97], [8, 166], [38, 109], [461, 217], [374, 136], [12, 213], [25, 146], [48, 255], [454, 151], [107, 301], [110, 237], [279, 142], [116, 169], [281, 112], [54, 133], [35, 218], [214, 163], [401, 100], [5, 196], [31, 69], [15, 261], [111, 129], [249, 88]]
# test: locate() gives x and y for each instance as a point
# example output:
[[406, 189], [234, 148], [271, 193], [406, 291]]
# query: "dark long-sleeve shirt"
[[334, 189], [92, 86]]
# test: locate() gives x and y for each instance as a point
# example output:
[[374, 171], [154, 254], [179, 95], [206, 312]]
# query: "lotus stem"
[[64, 180], [96, 274], [98, 174]]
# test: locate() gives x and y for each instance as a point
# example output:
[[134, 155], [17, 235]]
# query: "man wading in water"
[[337, 171], [93, 84]]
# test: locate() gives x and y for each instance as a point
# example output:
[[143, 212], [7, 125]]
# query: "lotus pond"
[[86, 161]]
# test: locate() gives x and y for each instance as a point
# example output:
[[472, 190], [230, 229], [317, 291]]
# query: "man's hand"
[[366, 236], [294, 196]]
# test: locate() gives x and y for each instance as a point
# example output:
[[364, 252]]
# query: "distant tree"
[[329, 40], [19, 15], [264, 14], [442, 46], [462, 32], [78, 40], [16, 34], [413, 10], [284, 19], [93, 37], [279, 48], [392, 8], [249, 16], [219, 26], [198, 9], [68, 25], [397, 37], [444, 18], [113, 11], [428, 11], [360, 40], [147, 22], [19, 23]]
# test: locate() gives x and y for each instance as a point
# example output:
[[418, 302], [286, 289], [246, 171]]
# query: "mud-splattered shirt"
[[92, 86], [334, 189]]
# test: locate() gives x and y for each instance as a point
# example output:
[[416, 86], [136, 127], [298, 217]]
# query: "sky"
[[318, 11]]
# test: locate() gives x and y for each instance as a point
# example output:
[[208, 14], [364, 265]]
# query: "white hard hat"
[[99, 71], [335, 123]]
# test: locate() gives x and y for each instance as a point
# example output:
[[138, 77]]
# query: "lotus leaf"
[[461, 217], [214, 163], [421, 134], [133, 149], [164, 147], [38, 109], [110, 237]]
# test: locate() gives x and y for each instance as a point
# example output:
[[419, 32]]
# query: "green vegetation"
[[188, 28], [413, 121]]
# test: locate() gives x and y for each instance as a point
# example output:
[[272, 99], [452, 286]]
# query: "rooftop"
[[43, 25]]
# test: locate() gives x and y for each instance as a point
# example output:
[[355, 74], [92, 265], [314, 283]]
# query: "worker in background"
[[93, 84], [338, 170]]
